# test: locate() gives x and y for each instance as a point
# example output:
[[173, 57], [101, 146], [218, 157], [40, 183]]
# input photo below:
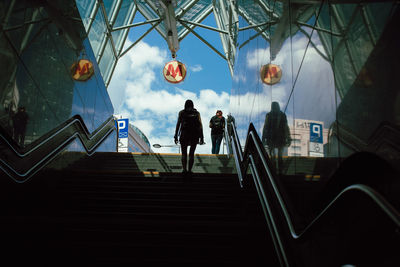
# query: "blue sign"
[[123, 127], [316, 133]]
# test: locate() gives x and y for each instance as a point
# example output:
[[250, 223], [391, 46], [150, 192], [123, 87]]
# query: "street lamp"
[[160, 146]]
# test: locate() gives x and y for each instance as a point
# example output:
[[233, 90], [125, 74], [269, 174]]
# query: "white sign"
[[317, 155], [123, 145], [123, 130], [316, 149]]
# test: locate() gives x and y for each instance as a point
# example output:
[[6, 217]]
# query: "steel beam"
[[93, 14], [299, 23], [203, 26], [367, 23], [315, 47], [108, 32], [138, 40], [130, 18], [136, 24], [125, 33], [269, 23], [182, 11], [254, 36], [204, 41], [205, 13]]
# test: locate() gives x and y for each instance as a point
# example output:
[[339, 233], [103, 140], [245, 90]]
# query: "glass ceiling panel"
[[149, 13], [254, 12], [195, 14]]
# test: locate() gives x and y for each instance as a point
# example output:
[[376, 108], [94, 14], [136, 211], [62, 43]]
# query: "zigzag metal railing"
[[385, 133], [21, 164], [272, 200]]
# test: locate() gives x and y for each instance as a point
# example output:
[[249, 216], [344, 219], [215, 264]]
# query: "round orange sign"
[[270, 74], [82, 70], [174, 71]]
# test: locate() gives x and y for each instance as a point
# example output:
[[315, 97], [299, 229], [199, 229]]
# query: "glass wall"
[[330, 69], [39, 44], [107, 43]]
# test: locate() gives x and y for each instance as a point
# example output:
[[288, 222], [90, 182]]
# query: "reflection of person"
[[276, 134], [20, 120], [229, 121], [217, 125], [189, 130]]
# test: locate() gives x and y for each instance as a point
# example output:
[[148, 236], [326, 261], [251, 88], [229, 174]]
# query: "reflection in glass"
[[334, 85], [276, 135], [37, 92]]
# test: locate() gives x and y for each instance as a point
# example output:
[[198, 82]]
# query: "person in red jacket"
[[217, 125]]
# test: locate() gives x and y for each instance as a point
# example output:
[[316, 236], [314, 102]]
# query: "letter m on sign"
[[173, 72]]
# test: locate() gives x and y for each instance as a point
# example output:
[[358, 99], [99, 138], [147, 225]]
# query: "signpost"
[[316, 148], [123, 128]]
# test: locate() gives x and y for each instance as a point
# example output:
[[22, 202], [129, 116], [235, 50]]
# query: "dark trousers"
[[216, 143], [191, 156], [276, 158]]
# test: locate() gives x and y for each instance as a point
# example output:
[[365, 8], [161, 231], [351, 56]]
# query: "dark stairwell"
[[133, 209]]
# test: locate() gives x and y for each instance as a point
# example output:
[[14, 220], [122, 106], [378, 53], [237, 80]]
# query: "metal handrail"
[[237, 150], [248, 161], [73, 128], [42, 142], [227, 141]]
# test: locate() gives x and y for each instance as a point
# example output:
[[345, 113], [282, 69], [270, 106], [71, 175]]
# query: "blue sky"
[[139, 91]]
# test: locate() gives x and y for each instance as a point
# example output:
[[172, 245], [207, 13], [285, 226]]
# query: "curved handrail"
[[21, 165], [384, 132], [253, 141], [227, 140]]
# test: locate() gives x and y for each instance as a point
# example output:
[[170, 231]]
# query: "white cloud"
[[144, 125], [154, 111], [238, 77], [136, 67], [258, 57], [248, 103], [313, 91], [196, 68]]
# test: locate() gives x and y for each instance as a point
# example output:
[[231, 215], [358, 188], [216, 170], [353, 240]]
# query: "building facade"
[[301, 146], [138, 142]]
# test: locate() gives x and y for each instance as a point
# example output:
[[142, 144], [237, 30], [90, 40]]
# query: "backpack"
[[190, 120], [218, 124]]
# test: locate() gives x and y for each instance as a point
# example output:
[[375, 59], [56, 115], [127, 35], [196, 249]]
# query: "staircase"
[[126, 209]]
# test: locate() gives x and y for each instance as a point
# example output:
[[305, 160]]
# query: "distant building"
[[131, 138], [301, 145], [138, 142]]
